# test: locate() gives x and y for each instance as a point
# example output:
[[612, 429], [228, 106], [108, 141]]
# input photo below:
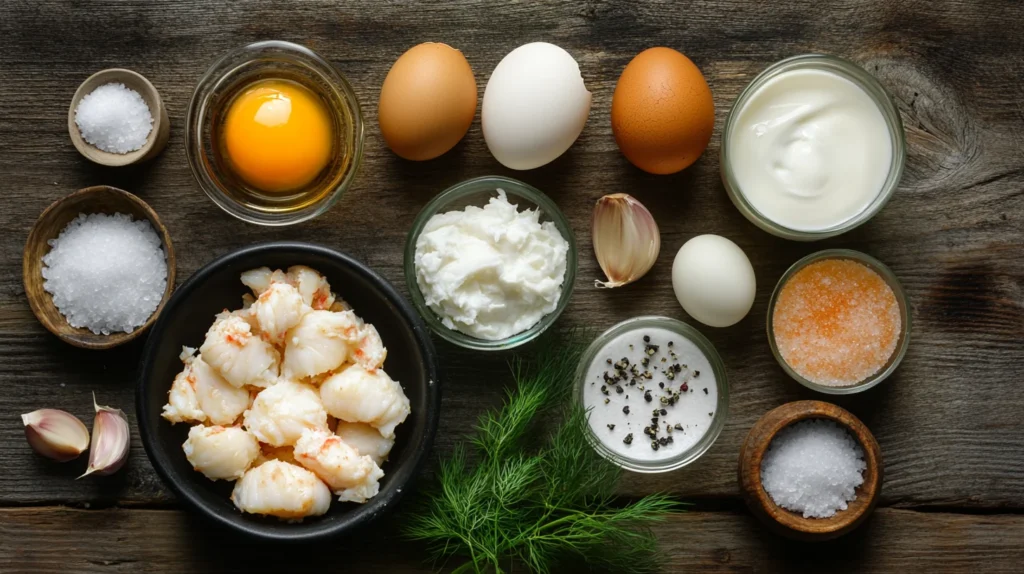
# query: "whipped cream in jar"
[[812, 148]]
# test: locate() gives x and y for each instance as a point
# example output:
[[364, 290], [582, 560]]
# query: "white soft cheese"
[[491, 272]]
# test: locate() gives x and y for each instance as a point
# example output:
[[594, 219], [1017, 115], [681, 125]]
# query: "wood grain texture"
[[133, 541], [948, 421]]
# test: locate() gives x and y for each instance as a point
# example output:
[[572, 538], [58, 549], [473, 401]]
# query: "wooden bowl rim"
[[152, 98], [768, 426], [37, 303]]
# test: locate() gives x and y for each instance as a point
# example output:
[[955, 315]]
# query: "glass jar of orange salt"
[[838, 321]]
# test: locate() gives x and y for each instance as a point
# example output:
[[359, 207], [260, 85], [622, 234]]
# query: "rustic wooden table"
[[950, 421]]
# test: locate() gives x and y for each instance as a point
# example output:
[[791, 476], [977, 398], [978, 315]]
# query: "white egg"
[[353, 477], [535, 106], [713, 280], [221, 452]]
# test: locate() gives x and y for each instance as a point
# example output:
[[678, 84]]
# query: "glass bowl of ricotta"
[[490, 263], [656, 393], [813, 147]]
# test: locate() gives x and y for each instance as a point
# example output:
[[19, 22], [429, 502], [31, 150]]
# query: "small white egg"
[[713, 280], [535, 106]]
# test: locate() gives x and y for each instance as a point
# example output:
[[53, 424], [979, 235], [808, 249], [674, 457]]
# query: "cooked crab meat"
[[259, 279], [351, 476], [219, 452], [282, 453], [281, 489], [278, 309], [366, 440], [356, 395], [315, 290], [319, 343], [182, 401], [280, 413], [238, 354], [217, 401]]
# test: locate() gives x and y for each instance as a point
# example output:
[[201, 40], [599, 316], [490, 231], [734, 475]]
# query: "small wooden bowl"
[[157, 138], [792, 524], [97, 199]]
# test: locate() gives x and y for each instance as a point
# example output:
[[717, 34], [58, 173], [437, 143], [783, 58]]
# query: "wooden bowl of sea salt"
[[101, 199], [115, 128], [812, 464]]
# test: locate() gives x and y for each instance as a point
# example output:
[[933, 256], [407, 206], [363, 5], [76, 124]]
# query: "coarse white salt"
[[114, 118], [813, 467], [106, 273]]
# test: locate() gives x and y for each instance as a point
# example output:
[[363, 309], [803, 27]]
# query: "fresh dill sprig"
[[507, 506]]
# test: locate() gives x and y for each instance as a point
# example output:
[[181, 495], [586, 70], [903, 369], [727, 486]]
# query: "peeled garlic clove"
[[109, 441], [56, 434], [626, 239]]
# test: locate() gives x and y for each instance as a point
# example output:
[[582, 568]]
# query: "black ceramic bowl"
[[184, 321]]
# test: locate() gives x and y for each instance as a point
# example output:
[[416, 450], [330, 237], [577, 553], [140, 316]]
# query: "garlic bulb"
[[56, 434], [109, 441], [626, 239]]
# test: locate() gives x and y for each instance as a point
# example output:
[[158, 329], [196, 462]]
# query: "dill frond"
[[545, 509]]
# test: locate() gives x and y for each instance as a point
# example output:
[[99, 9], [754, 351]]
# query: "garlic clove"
[[110, 438], [56, 434], [626, 239]]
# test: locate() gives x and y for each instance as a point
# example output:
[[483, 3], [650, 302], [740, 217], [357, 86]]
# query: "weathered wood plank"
[[119, 540], [949, 422]]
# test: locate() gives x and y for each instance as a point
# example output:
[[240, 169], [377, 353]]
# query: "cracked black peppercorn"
[[625, 409], [628, 439]]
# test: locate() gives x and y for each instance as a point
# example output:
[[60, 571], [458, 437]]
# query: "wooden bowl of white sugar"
[[117, 118], [116, 262], [810, 470]]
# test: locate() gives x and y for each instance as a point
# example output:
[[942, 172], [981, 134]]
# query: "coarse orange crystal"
[[836, 322]]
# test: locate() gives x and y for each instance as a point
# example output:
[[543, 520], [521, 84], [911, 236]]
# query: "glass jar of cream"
[[812, 148]]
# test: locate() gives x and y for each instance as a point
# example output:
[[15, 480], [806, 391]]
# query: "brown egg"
[[427, 102], [662, 111]]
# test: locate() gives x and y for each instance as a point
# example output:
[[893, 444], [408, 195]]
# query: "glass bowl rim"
[[901, 298], [878, 94], [227, 64], [513, 188], [693, 335]]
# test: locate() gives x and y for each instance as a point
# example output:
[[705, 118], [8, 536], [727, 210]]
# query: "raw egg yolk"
[[277, 136]]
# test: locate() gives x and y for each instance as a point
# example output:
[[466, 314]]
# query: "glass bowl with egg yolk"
[[274, 133]]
